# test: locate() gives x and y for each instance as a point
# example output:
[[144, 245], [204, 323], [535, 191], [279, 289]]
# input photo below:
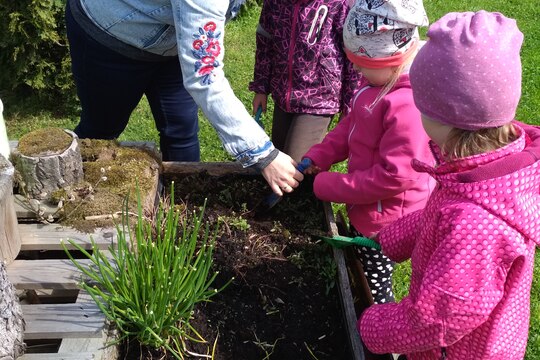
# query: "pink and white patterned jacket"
[[472, 255], [300, 58]]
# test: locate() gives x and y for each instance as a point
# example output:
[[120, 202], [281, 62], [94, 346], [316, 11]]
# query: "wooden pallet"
[[61, 321]]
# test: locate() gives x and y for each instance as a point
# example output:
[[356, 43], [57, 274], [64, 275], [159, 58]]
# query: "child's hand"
[[312, 170], [259, 100]]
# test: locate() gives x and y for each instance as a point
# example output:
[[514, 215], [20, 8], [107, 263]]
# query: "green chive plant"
[[150, 282]]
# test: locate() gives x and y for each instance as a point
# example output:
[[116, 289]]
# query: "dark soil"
[[283, 303]]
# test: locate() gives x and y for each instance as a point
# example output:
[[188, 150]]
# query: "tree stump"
[[10, 240], [44, 173], [11, 319]]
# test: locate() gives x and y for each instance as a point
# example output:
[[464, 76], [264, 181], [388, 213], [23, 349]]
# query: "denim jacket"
[[194, 29]]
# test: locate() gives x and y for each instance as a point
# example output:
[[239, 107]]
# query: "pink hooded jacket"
[[380, 185], [472, 256]]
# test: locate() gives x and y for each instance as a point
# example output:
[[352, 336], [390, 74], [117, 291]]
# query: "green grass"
[[239, 59]]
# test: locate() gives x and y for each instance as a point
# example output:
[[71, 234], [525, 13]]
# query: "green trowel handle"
[[339, 241]]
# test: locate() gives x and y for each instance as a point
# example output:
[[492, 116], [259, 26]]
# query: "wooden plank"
[[212, 168], [58, 321], [99, 350], [45, 274], [10, 240], [344, 287], [50, 236], [353, 288], [58, 356], [145, 145], [97, 346]]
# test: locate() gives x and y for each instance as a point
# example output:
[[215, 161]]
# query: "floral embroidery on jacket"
[[206, 48]]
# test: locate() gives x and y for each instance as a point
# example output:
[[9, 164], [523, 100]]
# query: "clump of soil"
[[282, 303]]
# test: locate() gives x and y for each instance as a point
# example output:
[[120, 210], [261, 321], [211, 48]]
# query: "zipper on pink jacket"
[[290, 58], [358, 93]]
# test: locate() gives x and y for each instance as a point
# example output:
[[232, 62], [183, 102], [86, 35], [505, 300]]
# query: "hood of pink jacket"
[[505, 182]]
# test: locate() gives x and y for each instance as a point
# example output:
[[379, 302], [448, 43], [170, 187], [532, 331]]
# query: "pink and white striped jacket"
[[472, 255]]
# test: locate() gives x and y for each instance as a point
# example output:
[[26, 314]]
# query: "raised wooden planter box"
[[68, 325], [354, 296]]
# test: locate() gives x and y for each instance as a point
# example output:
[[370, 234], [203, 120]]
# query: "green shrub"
[[34, 56]]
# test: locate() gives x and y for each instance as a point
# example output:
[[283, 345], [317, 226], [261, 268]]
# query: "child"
[[300, 61], [472, 247], [382, 133]]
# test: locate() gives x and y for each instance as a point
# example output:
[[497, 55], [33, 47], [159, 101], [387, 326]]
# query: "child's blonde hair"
[[462, 143], [398, 70]]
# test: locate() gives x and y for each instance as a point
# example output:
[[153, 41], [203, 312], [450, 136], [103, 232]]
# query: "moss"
[[128, 166], [103, 203], [92, 150], [125, 169], [44, 142]]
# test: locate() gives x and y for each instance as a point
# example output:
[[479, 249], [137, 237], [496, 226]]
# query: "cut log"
[[44, 174], [11, 319], [10, 240]]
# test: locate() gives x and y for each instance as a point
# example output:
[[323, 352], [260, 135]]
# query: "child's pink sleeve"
[[334, 148], [403, 139], [398, 239]]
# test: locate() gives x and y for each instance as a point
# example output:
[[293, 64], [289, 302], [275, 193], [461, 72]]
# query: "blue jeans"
[[110, 85]]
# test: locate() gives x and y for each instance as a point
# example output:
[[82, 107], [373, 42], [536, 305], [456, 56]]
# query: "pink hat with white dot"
[[468, 74]]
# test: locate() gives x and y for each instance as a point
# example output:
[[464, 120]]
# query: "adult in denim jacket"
[[172, 52]]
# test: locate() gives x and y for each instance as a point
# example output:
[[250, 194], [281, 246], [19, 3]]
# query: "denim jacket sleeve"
[[200, 27]]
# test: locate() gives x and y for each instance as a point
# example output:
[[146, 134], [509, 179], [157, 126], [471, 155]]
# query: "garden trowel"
[[339, 241], [271, 200]]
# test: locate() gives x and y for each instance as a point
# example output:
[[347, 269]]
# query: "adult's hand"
[[281, 174]]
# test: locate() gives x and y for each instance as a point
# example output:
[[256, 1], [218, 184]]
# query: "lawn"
[[240, 47]]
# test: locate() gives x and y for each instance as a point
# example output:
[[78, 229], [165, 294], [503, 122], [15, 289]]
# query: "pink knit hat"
[[468, 74]]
